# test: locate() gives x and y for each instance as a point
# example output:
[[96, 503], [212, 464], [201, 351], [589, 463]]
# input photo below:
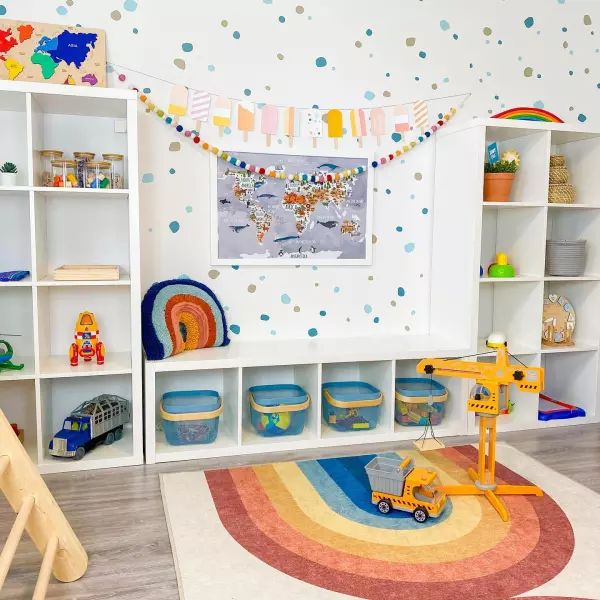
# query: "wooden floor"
[[119, 517]]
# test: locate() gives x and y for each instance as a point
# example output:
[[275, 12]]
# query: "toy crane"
[[488, 399]]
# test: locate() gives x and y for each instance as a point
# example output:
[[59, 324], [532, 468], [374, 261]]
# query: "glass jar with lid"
[[63, 173], [81, 158], [116, 170], [97, 174], [47, 157]]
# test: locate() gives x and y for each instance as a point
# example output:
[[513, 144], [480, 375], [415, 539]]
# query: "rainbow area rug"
[[307, 530]]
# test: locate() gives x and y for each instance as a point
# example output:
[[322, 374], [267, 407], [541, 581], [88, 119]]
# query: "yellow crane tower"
[[488, 399]]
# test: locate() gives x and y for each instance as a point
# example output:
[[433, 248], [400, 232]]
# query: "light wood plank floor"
[[119, 517]]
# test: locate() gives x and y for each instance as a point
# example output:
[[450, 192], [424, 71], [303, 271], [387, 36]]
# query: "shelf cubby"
[[14, 231], [16, 327], [13, 124], [17, 402]]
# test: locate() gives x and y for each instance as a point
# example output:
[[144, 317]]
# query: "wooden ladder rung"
[[14, 537], [4, 462], [41, 586]]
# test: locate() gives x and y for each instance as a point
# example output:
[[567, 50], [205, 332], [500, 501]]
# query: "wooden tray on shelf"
[[87, 273]]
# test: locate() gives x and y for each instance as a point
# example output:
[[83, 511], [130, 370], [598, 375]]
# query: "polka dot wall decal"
[[410, 41], [323, 313], [235, 267], [312, 332], [280, 56], [487, 31], [387, 93], [172, 171], [376, 320], [368, 308], [336, 290], [587, 20], [369, 32], [424, 210], [401, 292], [538, 104], [396, 136], [211, 68], [213, 273], [422, 54], [234, 329], [393, 303], [444, 25], [61, 10], [581, 118], [409, 247], [358, 44], [135, 30], [130, 5], [273, 332], [285, 299], [321, 61], [187, 47], [188, 209], [264, 317], [399, 228], [174, 226], [174, 147], [251, 288], [281, 19], [369, 95], [69, 2], [2, 9], [115, 15], [224, 23], [296, 309], [528, 71], [299, 9], [528, 22], [179, 63], [236, 35], [247, 92], [373, 239], [418, 176], [147, 178]]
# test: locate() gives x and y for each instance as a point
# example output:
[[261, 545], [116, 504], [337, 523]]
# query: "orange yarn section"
[[197, 318]]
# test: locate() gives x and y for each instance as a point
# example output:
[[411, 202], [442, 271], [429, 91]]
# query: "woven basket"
[[561, 193], [557, 160], [559, 175], [565, 258]]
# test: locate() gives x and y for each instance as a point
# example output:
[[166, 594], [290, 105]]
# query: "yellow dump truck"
[[399, 484]]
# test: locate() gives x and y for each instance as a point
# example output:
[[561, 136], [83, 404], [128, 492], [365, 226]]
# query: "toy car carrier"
[[94, 422], [398, 484]]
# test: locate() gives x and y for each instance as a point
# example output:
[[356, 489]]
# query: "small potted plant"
[[499, 177], [8, 174]]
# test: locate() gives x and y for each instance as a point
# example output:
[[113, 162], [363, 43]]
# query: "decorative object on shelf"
[[8, 174], [351, 405], [87, 342], [560, 191], [278, 409], [98, 174], [501, 268], [63, 173], [528, 113], [13, 275], [493, 153], [81, 159], [558, 321], [6, 355], [53, 53], [259, 221], [191, 416], [180, 315], [499, 177], [491, 398], [20, 433], [94, 422], [551, 409], [87, 273], [398, 484], [47, 158], [565, 258], [116, 169], [419, 401]]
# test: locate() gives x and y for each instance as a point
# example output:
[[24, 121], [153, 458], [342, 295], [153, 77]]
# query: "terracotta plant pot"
[[497, 186]]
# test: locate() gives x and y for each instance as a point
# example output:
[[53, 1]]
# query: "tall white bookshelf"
[[42, 228]]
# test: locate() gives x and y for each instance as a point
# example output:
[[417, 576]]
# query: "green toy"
[[6, 354], [501, 268]]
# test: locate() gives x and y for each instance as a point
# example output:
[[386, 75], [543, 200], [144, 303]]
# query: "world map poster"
[[259, 219], [40, 52]]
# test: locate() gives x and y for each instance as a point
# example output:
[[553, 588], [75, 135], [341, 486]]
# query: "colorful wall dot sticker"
[[358, 124], [269, 123], [420, 114], [199, 107], [313, 124], [291, 124], [245, 118], [335, 125], [377, 117], [400, 119], [222, 113], [178, 102]]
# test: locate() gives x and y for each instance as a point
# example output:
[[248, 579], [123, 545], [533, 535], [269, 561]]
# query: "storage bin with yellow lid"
[[418, 399], [278, 409], [351, 405], [191, 416]]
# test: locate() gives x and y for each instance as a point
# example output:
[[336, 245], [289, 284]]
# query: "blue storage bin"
[[351, 405], [278, 409], [413, 397], [191, 416]]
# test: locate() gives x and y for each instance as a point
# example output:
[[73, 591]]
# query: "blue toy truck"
[[94, 422]]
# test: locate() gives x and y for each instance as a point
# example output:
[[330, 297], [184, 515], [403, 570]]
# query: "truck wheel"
[[420, 515], [79, 453], [110, 438], [384, 506], [118, 434]]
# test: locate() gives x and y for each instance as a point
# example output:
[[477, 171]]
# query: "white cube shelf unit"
[[43, 228]]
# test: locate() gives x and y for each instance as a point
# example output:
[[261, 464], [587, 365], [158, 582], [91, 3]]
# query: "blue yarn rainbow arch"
[[180, 315]]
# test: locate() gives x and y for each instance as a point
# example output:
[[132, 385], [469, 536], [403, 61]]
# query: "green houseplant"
[[498, 179], [8, 174]]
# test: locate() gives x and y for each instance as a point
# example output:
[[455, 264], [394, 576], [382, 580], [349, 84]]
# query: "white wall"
[[490, 58]]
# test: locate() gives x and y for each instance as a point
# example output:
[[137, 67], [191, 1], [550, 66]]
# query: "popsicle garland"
[[335, 125], [420, 114], [377, 123], [400, 119], [269, 123], [277, 174], [199, 107], [178, 101], [358, 124], [245, 119], [222, 113], [313, 124]]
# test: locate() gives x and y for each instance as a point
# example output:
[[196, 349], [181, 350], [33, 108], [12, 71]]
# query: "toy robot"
[[87, 343]]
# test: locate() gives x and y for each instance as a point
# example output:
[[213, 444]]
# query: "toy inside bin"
[[417, 399], [278, 409], [351, 405], [191, 416]]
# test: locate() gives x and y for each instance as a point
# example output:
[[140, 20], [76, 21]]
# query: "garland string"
[[281, 174]]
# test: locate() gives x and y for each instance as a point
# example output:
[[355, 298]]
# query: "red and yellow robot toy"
[[87, 343]]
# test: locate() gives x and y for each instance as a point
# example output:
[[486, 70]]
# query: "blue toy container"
[[351, 405], [418, 399], [191, 416], [278, 409]]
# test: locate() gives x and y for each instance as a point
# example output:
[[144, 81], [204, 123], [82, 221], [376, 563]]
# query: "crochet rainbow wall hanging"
[[527, 113], [180, 315]]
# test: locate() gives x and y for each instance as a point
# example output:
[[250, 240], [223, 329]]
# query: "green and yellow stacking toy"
[[501, 268]]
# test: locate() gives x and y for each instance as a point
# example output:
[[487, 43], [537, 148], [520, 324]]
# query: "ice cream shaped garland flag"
[[358, 124], [377, 117], [269, 121], [245, 118], [222, 113], [313, 124], [199, 107], [420, 114], [400, 119], [178, 102], [335, 125], [291, 124]]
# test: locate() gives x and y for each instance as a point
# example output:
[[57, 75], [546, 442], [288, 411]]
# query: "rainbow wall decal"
[[527, 113], [180, 315]]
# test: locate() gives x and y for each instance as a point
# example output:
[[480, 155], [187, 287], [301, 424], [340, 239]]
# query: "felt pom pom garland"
[[279, 174]]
